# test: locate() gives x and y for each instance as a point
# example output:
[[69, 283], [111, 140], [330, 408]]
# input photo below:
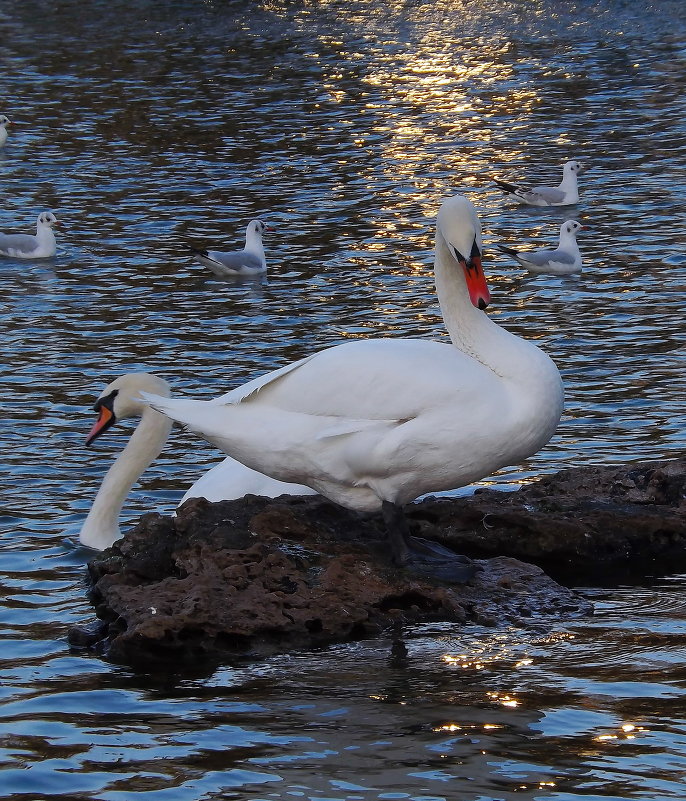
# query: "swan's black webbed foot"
[[422, 556]]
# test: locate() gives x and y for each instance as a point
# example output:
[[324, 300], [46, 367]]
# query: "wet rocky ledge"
[[257, 576]]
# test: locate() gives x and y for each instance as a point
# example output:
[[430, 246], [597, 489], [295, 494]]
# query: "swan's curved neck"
[[472, 330], [101, 527]]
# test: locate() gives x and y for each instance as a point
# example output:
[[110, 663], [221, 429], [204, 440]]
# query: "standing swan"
[[372, 424], [225, 481]]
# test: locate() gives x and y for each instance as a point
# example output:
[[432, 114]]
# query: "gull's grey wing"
[[549, 193], [542, 257], [24, 243], [237, 260]]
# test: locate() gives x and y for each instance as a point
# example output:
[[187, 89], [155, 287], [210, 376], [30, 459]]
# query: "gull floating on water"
[[564, 260], [249, 261], [28, 246], [566, 194], [4, 122]]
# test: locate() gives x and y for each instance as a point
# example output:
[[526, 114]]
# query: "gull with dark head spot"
[[566, 194], [564, 260], [28, 246], [249, 261]]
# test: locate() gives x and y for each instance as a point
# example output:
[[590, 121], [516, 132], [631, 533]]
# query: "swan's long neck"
[[472, 331], [101, 527]]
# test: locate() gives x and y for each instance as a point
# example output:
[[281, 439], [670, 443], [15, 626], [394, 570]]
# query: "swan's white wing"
[[235, 395], [230, 479]]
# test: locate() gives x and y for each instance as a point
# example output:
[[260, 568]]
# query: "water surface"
[[145, 126]]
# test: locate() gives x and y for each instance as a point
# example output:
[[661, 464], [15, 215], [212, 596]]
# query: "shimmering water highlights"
[[145, 126]]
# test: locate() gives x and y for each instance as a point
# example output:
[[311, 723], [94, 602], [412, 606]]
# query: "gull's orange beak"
[[476, 282], [105, 419]]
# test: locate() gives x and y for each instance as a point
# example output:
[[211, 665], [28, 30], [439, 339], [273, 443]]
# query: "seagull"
[[27, 246], [566, 194], [4, 122], [564, 260], [249, 261]]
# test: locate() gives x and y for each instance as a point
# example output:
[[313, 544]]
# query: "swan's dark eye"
[[107, 401]]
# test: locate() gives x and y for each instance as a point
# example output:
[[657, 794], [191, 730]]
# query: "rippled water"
[[145, 126]]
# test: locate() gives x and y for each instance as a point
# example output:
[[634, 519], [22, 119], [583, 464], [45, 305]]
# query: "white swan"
[[372, 424], [225, 481], [27, 246], [249, 261], [565, 259], [4, 122], [566, 194]]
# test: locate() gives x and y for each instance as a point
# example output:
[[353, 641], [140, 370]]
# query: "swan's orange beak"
[[105, 420], [476, 282]]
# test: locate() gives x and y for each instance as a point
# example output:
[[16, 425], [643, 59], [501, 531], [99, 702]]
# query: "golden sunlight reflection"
[[627, 731], [451, 728]]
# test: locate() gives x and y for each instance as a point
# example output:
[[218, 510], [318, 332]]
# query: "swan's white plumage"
[[225, 481], [391, 419]]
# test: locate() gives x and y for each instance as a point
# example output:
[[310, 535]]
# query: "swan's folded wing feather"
[[251, 388]]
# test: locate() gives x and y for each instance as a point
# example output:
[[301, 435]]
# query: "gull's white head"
[[573, 167], [570, 227], [257, 228], [120, 400], [4, 121], [461, 230], [46, 219]]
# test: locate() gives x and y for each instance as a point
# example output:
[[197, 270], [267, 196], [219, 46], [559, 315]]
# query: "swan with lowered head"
[[249, 261], [565, 259], [28, 246], [566, 194], [225, 481], [374, 423]]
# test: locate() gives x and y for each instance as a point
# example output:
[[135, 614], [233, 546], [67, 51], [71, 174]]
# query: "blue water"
[[145, 126]]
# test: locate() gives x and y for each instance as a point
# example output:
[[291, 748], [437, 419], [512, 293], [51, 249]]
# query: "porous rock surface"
[[258, 576]]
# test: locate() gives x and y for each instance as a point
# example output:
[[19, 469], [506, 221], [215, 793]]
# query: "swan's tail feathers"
[[509, 251], [178, 409], [511, 188]]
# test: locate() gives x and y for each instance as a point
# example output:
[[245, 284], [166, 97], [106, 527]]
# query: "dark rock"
[[580, 524], [258, 576]]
